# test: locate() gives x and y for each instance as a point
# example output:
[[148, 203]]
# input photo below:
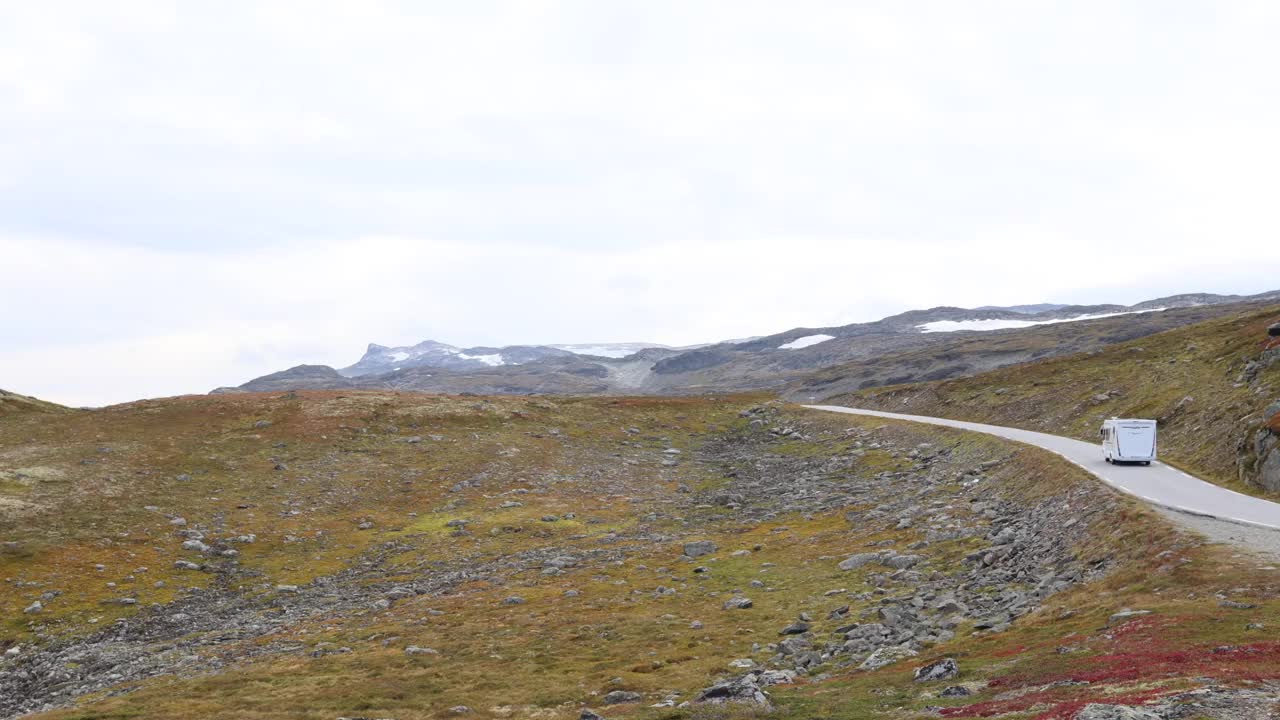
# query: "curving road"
[[1158, 483]]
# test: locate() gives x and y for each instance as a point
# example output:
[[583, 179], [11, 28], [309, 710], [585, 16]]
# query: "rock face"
[[1269, 473], [1258, 454], [1265, 447]]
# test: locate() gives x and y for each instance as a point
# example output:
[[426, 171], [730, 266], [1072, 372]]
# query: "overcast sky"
[[193, 194]]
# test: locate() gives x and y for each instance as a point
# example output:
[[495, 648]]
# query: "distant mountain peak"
[[763, 362], [1031, 309]]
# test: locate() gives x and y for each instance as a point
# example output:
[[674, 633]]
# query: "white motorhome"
[[1128, 440]]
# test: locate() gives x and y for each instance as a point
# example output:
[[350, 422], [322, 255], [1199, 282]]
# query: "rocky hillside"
[[971, 353], [378, 554], [1212, 386], [770, 362], [12, 404]]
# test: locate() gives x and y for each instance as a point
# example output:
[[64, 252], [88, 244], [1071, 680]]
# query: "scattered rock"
[[777, 677], [513, 600], [795, 628], [737, 603], [887, 656], [744, 689], [699, 548], [853, 562], [415, 650], [900, 562], [954, 691], [616, 697], [1124, 615], [1098, 711], [943, 669]]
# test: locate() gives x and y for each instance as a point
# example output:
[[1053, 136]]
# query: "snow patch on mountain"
[[609, 350], [1005, 324], [491, 360], [806, 341]]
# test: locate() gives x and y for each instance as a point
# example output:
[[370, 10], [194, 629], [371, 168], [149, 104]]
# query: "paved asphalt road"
[[1158, 483]]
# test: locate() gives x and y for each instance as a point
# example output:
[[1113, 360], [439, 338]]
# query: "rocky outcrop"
[[1266, 449], [1258, 451]]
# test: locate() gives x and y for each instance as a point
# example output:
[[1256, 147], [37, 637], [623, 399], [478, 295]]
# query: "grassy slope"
[[1186, 378], [12, 404], [547, 657]]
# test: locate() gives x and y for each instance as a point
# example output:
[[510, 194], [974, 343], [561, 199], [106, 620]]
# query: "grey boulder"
[[617, 697], [943, 669], [699, 548]]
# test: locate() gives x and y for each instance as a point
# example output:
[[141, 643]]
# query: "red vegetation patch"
[[1065, 703], [1145, 649], [1257, 661]]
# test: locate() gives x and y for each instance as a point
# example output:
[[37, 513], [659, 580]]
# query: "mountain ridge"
[[763, 362]]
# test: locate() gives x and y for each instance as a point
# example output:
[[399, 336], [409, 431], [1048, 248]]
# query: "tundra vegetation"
[[384, 555]]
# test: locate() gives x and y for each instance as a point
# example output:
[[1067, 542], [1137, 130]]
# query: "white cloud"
[[263, 184], [109, 323]]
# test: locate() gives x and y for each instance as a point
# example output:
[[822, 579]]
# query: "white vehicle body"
[[1128, 440]]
